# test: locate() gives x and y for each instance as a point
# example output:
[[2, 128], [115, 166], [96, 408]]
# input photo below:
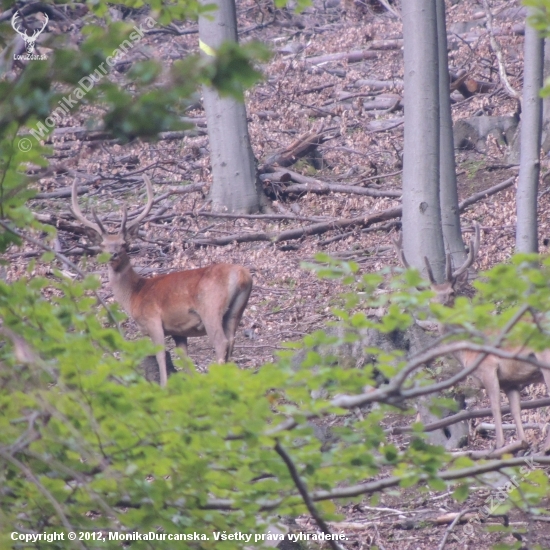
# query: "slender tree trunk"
[[546, 100], [235, 186], [422, 235], [450, 214], [529, 168]]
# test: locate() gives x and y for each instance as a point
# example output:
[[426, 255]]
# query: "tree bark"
[[530, 142], [422, 235], [235, 187], [450, 218]]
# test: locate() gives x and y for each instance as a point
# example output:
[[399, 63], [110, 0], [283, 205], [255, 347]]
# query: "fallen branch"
[[380, 84], [304, 145], [460, 516], [383, 125], [487, 193], [306, 184], [498, 52], [494, 453], [390, 44], [350, 57]]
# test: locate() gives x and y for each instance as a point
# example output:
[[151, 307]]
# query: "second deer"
[[206, 301], [494, 373]]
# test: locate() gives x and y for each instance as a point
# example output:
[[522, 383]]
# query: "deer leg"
[[232, 318], [230, 323], [515, 407], [181, 342], [217, 337], [156, 333], [492, 387], [545, 357]]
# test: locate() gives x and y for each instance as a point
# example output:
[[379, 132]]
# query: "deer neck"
[[444, 330], [124, 282]]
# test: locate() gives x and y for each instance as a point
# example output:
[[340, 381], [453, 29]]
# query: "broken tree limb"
[[350, 57], [378, 85], [390, 44], [303, 146], [383, 125], [306, 184], [487, 193]]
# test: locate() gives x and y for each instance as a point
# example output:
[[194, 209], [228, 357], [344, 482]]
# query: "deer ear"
[[93, 236], [461, 280], [132, 233]]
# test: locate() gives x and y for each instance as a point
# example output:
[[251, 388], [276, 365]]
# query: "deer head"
[[30, 41], [114, 244], [445, 291]]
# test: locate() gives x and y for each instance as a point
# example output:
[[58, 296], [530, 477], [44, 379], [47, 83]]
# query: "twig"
[[451, 527], [447, 475], [468, 415], [63, 259], [498, 53], [27, 472], [300, 485], [493, 453], [392, 10]]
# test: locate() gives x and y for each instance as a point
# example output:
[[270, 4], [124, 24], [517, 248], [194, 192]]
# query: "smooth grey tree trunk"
[[450, 213], [546, 100], [529, 168], [422, 235], [235, 186]]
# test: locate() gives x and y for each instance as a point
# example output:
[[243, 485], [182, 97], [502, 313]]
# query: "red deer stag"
[[494, 373], [206, 301]]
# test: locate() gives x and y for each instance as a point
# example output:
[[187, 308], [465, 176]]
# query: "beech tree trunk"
[[450, 213], [235, 186], [422, 235], [529, 167]]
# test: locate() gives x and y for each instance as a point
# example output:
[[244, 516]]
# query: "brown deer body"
[[494, 373], [208, 301]]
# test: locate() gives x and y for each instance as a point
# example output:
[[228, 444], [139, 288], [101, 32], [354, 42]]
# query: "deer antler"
[[146, 210], [472, 254], [450, 275], [77, 213], [398, 245]]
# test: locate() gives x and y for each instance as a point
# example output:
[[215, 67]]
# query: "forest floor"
[[299, 95]]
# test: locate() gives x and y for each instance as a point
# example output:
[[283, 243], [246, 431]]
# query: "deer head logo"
[[30, 41]]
